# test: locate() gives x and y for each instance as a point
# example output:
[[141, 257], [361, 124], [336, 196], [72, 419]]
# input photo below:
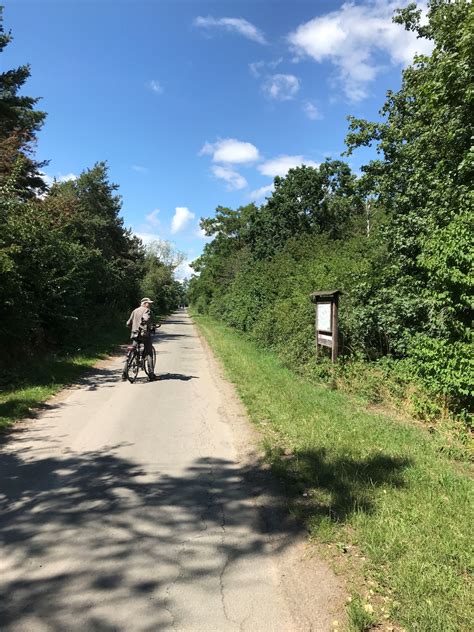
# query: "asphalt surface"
[[128, 507]]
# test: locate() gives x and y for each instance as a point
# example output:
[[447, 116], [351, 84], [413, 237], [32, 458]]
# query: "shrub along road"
[[139, 507]]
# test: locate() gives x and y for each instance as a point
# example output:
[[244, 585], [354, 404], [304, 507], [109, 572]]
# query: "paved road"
[[127, 507]]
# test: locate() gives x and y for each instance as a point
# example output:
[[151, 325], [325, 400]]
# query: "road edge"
[[301, 568]]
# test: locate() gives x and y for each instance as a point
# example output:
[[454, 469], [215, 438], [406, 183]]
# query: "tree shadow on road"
[[93, 540], [91, 536], [163, 336], [174, 321]]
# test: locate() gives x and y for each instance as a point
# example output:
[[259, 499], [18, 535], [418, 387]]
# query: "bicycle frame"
[[136, 360]]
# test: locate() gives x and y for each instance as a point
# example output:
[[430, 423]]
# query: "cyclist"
[[141, 329]]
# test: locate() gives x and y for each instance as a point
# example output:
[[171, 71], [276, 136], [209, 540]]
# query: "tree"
[[423, 181], [223, 256], [88, 210], [157, 278], [306, 201], [19, 124], [67, 264], [165, 253]]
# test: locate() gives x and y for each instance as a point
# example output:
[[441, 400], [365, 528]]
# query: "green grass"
[[366, 484], [24, 388], [359, 615]]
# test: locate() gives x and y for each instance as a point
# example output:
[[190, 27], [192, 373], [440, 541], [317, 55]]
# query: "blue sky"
[[197, 104]]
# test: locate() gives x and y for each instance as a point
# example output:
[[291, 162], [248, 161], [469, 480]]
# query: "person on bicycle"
[[141, 326]]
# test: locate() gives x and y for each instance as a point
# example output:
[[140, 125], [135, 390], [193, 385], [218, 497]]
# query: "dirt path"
[[140, 507]]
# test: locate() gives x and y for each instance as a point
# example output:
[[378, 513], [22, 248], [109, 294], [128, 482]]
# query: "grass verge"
[[369, 486], [26, 387]]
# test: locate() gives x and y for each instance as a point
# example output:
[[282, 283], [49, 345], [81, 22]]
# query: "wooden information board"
[[326, 321]]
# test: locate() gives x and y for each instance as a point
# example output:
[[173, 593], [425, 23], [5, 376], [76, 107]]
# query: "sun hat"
[[146, 300]]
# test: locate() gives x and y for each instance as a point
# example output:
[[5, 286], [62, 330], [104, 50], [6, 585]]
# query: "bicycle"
[[136, 360]]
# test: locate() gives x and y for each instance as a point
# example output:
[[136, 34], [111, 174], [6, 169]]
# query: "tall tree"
[[222, 256], [423, 179], [306, 201], [19, 124]]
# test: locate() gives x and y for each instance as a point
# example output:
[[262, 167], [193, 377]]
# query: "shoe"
[[124, 377], [152, 378]]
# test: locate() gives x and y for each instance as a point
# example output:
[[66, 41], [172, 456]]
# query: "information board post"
[[335, 329], [326, 320]]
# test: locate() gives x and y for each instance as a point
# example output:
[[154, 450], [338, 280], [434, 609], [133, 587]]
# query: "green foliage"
[[360, 615], [19, 124], [67, 265], [307, 201], [397, 241], [424, 180], [270, 299]]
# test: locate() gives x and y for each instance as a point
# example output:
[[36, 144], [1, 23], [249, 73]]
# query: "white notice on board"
[[324, 316]]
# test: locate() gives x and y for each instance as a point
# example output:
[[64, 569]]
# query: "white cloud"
[[155, 86], [152, 218], [351, 36], [282, 164], [59, 177], [181, 218], [184, 271], [262, 192], [234, 25], [257, 68], [312, 111], [230, 150], [148, 238], [48, 180], [140, 169], [68, 177], [233, 178], [281, 87]]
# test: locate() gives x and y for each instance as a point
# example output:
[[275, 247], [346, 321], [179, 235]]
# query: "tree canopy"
[[424, 181], [19, 124]]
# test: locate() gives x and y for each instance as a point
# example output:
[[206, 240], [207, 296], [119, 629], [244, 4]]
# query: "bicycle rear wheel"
[[149, 362], [133, 367]]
